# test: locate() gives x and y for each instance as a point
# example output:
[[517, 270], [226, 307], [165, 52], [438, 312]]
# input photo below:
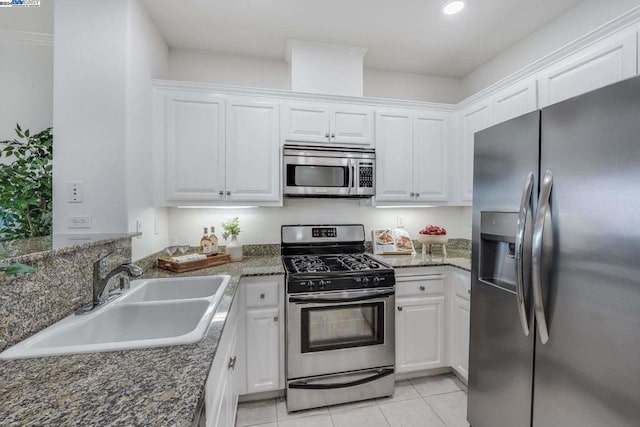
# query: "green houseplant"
[[234, 248], [26, 184]]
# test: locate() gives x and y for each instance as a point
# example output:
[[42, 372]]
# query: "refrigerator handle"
[[525, 208], [536, 256]]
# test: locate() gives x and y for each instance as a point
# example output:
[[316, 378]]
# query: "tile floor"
[[438, 401]]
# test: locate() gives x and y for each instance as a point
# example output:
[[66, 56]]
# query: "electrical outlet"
[[400, 222], [83, 221], [75, 192], [156, 226], [139, 227]]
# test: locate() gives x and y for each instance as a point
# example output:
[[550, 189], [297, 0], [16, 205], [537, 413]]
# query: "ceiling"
[[401, 35]]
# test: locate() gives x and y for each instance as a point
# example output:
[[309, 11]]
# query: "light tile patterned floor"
[[438, 401]]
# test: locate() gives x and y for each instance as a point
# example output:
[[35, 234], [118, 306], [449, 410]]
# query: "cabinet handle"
[[333, 135], [417, 194], [399, 308], [275, 318], [412, 194], [221, 193], [326, 135], [228, 193], [422, 288], [261, 296], [232, 363], [469, 291]]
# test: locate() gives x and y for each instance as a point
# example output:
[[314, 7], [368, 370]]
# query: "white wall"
[[262, 225], [575, 22], [26, 70], [147, 58], [224, 68], [102, 117], [411, 86], [241, 70], [89, 113]]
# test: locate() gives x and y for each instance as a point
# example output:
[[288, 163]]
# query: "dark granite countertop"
[[459, 258], [147, 387]]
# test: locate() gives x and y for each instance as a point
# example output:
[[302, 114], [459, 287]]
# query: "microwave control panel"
[[366, 175]]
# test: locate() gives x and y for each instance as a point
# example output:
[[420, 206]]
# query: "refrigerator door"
[[588, 372], [500, 354]]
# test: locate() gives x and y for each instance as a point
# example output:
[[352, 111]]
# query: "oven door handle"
[[342, 297], [380, 373]]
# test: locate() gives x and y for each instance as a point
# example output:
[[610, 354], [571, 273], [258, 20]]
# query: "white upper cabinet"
[[514, 101], [252, 151], [394, 156], [351, 126], [430, 159], [412, 156], [214, 149], [607, 62], [307, 123], [194, 138], [474, 119], [327, 124]]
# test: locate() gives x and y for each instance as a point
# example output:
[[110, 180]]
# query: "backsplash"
[[61, 284]]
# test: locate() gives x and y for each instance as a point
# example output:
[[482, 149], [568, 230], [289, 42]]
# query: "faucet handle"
[[100, 266]]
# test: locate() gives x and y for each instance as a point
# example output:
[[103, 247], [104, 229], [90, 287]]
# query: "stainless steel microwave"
[[321, 171]]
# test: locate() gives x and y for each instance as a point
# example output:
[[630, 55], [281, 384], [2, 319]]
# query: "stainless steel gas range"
[[340, 317]]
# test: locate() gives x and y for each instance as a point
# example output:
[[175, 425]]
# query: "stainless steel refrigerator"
[[555, 295]]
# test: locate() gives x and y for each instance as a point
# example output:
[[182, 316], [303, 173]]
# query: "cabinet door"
[[461, 324], [194, 133], [419, 334], [306, 123], [431, 175], [263, 350], [253, 155], [352, 127], [474, 119], [394, 156], [608, 62], [219, 417], [514, 101]]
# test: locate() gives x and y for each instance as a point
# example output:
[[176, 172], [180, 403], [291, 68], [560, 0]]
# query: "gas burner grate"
[[357, 262], [309, 264]]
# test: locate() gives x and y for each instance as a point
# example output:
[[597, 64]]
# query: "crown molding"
[[617, 25], [299, 96], [26, 37]]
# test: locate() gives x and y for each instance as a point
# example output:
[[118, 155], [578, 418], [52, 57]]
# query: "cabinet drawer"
[[420, 285], [264, 294]]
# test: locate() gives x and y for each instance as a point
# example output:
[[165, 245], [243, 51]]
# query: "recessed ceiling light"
[[452, 7]]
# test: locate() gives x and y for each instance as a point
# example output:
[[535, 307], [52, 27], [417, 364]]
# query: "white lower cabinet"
[[420, 323], [264, 320], [223, 383], [461, 319], [459, 284], [263, 350]]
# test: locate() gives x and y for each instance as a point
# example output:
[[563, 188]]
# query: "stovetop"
[[324, 273], [331, 263]]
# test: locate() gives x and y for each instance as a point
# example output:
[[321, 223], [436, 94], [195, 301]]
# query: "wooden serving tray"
[[181, 267]]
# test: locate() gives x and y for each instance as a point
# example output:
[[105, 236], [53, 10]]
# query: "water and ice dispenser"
[[497, 248]]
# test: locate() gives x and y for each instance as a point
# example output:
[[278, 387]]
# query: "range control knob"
[[377, 280], [324, 283], [365, 281], [311, 284]]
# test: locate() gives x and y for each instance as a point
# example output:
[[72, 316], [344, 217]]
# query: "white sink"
[[174, 289], [154, 313]]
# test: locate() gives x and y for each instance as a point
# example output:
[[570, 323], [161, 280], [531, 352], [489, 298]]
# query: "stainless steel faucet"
[[101, 277]]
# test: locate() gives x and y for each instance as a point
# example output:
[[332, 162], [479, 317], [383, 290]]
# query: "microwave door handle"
[[351, 173]]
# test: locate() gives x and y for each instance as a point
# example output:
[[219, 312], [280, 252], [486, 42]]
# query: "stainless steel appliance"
[[317, 171], [340, 317], [555, 297]]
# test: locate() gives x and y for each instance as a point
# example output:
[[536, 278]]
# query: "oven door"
[[318, 176], [333, 332]]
